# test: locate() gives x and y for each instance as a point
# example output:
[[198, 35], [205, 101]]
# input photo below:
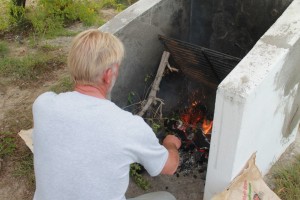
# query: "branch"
[[155, 86], [172, 69]]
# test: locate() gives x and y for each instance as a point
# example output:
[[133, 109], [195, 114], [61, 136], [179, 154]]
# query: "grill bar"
[[200, 63]]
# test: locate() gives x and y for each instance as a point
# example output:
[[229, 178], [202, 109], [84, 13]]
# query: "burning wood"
[[207, 126], [194, 129]]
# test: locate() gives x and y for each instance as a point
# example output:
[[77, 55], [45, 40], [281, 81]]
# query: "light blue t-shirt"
[[83, 148]]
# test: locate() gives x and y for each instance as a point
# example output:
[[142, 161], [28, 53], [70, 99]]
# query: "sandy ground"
[[14, 97]]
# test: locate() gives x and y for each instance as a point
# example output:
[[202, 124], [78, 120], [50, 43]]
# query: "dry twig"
[[155, 87]]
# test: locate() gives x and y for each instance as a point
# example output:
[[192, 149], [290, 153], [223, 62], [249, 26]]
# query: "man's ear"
[[107, 76]]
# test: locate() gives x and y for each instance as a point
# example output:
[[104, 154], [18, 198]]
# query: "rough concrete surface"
[[138, 27]]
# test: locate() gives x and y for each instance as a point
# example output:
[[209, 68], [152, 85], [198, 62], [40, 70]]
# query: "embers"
[[194, 129]]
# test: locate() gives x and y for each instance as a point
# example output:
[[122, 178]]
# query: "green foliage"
[[287, 181], [119, 5], [112, 4], [48, 16], [17, 13], [135, 169], [53, 15], [44, 24], [65, 84], [155, 127], [4, 15], [147, 78], [7, 143], [71, 10], [3, 49], [130, 97]]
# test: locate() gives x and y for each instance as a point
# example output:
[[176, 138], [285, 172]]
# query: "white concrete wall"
[[138, 27], [257, 105]]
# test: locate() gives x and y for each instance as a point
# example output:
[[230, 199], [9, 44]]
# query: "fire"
[[195, 116], [207, 126]]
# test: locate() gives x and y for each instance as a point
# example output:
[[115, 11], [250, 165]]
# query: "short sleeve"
[[147, 150]]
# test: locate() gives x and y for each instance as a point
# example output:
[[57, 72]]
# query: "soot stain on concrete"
[[288, 80], [278, 41]]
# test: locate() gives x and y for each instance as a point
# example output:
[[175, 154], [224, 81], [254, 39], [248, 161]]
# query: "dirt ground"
[[16, 98], [15, 110]]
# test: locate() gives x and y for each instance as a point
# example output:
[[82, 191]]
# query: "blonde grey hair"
[[92, 52]]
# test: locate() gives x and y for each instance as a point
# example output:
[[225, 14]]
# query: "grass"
[[18, 118], [30, 67], [7, 144], [4, 50], [48, 48], [61, 32], [25, 168], [287, 180], [64, 84]]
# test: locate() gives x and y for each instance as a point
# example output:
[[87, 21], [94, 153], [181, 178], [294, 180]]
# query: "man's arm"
[[172, 144]]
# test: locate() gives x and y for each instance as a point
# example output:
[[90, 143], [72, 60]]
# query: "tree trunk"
[[19, 3]]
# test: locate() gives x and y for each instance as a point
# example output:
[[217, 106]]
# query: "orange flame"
[[207, 126]]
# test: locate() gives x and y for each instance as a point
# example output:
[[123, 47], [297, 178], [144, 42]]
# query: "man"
[[83, 143]]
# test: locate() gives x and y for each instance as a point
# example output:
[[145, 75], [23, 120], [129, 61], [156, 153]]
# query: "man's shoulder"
[[44, 97]]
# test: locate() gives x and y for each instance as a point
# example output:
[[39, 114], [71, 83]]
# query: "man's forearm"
[[173, 160]]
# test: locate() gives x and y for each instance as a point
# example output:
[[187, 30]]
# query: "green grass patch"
[[287, 180], [7, 144], [61, 32], [65, 84], [48, 47], [4, 50], [30, 67], [24, 168]]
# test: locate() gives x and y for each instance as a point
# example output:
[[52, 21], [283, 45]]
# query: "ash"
[[191, 162]]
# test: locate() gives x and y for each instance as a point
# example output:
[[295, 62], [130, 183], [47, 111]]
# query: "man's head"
[[92, 54]]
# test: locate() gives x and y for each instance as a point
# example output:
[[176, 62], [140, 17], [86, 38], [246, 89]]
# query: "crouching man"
[[83, 143]]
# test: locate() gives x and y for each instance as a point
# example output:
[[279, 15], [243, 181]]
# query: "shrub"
[[48, 16], [116, 4], [4, 15], [53, 15], [135, 173]]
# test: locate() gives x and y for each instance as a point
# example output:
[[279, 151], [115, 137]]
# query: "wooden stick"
[[155, 86], [172, 69]]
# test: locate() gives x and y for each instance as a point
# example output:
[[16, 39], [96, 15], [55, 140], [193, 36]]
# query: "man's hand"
[[172, 144], [172, 140]]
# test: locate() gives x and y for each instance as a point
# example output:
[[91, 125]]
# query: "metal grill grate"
[[199, 63]]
